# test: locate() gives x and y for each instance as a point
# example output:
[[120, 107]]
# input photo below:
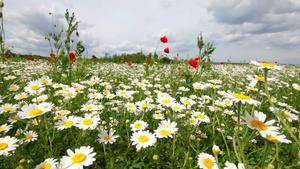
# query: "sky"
[[241, 30]]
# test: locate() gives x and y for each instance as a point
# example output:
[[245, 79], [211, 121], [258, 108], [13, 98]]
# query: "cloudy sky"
[[264, 30]]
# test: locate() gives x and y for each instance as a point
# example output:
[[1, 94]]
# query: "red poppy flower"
[[7, 56], [197, 58], [28, 58], [93, 56], [148, 60], [275, 62], [166, 50], [129, 64], [193, 63], [49, 60], [99, 60], [178, 68], [34, 60], [164, 39], [52, 54], [203, 60], [72, 56], [222, 63]]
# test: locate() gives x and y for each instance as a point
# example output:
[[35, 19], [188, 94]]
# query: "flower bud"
[[127, 121], [216, 149], [192, 137], [155, 157], [104, 122], [1, 4], [22, 161]]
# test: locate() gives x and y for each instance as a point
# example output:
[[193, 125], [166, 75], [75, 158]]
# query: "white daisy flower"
[[138, 125], [207, 161], [143, 139], [33, 110], [66, 122], [264, 65], [88, 122], [49, 163], [105, 137], [7, 145], [241, 98], [258, 122], [30, 136], [82, 157]]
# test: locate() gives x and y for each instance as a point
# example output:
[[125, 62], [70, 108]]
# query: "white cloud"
[[241, 30]]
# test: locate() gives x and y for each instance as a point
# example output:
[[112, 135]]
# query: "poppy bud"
[[72, 56], [164, 39], [1, 4], [93, 56], [166, 50]]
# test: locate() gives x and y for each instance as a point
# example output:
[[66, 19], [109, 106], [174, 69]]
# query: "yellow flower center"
[[3, 146], [2, 128], [227, 102], [259, 124], [7, 108], [143, 139], [286, 115], [63, 111], [29, 137], [35, 87], [212, 85], [45, 81], [187, 102], [40, 99], [164, 132], [198, 87], [158, 115], [89, 107], [260, 78], [14, 88], [35, 112], [9, 78], [46, 166], [220, 104], [68, 123], [229, 112], [21, 97], [78, 158], [200, 116], [298, 87], [272, 138], [106, 137], [129, 106], [241, 96], [267, 64], [193, 121], [70, 94], [16, 119], [208, 163], [122, 92], [251, 88], [35, 123], [138, 125], [145, 105], [94, 95], [87, 122], [165, 101], [176, 108]]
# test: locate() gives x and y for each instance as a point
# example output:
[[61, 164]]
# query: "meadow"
[[148, 115]]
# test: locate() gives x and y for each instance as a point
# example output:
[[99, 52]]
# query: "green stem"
[[267, 145]]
